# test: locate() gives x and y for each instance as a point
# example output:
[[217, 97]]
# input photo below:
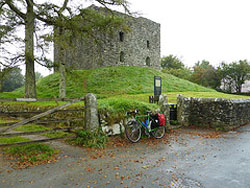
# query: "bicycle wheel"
[[133, 131], [159, 132]]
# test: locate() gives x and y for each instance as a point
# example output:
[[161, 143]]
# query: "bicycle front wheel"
[[159, 132], [133, 131]]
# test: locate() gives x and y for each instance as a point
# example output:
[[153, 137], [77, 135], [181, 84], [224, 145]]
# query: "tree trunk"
[[239, 89], [62, 69], [1, 85], [30, 81], [62, 84]]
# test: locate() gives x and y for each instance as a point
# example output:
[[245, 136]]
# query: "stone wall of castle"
[[138, 47]]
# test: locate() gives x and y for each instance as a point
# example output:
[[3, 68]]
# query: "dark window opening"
[[147, 44], [121, 34], [148, 63], [122, 56]]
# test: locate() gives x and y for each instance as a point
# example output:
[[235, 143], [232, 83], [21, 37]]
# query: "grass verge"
[[9, 140], [28, 155], [31, 154], [95, 139]]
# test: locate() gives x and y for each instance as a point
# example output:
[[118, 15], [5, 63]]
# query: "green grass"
[[135, 80], [32, 154], [31, 128], [11, 95], [57, 134], [120, 104], [29, 154], [6, 121], [9, 140], [172, 96], [109, 81]]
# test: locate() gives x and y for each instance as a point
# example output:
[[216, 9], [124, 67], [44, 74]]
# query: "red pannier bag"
[[162, 120]]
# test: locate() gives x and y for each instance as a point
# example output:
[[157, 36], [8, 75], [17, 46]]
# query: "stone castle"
[[138, 47]]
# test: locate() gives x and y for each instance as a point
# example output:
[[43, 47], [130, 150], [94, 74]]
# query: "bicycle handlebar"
[[137, 111]]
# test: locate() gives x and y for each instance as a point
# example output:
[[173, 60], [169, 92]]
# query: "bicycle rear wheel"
[[159, 132], [133, 131]]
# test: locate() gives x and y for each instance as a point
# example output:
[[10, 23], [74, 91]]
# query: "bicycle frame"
[[146, 117], [134, 126]]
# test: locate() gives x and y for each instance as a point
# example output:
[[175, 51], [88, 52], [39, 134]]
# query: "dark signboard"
[[157, 87]]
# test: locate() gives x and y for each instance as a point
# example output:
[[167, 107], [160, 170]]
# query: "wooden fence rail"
[[34, 141], [38, 112], [45, 121], [34, 132]]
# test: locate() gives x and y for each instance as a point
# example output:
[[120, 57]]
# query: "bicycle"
[[151, 126]]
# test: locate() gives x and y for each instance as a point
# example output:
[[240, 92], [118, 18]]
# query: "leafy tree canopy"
[[234, 75], [205, 74], [13, 80], [171, 61]]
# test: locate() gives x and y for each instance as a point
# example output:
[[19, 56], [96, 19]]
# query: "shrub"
[[89, 138]]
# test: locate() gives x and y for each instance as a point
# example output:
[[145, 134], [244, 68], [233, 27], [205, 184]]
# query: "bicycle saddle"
[[149, 112]]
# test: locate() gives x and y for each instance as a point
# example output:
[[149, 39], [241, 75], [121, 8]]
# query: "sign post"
[[157, 88]]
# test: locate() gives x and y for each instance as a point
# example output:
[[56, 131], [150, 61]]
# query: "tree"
[[234, 75], [205, 74], [3, 75], [13, 80], [184, 73], [226, 82], [37, 17], [8, 59], [171, 62], [173, 65], [38, 76]]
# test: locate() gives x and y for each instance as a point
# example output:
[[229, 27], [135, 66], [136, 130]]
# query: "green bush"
[[88, 138]]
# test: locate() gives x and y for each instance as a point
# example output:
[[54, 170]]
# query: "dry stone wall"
[[223, 114]]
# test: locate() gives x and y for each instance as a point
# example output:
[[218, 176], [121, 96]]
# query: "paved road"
[[186, 158]]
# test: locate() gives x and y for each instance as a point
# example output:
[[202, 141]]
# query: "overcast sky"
[[193, 30], [215, 30]]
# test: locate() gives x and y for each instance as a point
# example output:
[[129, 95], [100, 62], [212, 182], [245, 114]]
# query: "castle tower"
[[138, 47]]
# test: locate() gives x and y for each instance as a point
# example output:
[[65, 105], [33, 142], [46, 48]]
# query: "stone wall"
[[223, 114], [139, 47]]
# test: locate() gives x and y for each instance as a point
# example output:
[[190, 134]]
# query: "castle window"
[[148, 63], [122, 55], [148, 44], [121, 35]]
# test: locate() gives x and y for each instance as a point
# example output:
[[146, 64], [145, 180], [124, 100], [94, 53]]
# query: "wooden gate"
[[35, 118]]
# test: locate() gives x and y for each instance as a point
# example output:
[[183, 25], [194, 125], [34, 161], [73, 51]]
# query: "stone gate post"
[[91, 112], [165, 108]]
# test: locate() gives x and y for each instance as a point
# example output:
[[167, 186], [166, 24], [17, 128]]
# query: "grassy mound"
[[112, 81], [118, 89]]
